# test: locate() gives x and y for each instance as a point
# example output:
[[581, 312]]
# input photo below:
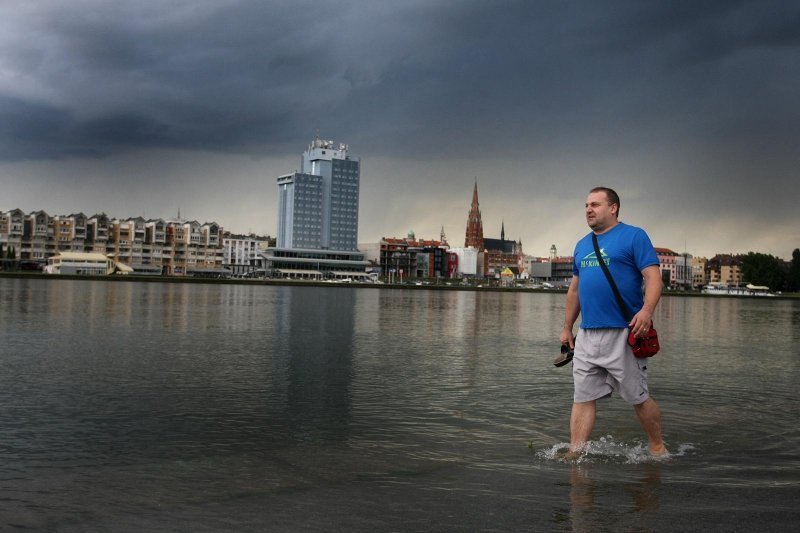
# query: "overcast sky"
[[689, 109]]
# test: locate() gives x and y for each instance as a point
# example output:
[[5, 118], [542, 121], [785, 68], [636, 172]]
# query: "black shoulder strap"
[[624, 308]]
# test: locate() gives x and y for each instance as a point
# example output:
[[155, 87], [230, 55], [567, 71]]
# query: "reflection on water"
[[593, 501], [156, 400], [318, 334]]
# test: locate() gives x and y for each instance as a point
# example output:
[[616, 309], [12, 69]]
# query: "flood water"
[[130, 406]]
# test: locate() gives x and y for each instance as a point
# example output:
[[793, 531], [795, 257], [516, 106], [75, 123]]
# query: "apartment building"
[[196, 249], [156, 246], [97, 233], [155, 252], [416, 258], [725, 269], [37, 237], [668, 263], [699, 272], [11, 230], [70, 232]]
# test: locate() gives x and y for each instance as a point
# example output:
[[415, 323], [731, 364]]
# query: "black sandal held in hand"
[[565, 356]]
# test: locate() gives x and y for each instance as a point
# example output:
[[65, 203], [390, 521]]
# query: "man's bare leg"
[[650, 418], [581, 424]]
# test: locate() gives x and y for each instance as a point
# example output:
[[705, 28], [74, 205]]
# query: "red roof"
[[665, 251]]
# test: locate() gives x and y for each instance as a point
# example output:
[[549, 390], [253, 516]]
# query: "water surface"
[[154, 406]]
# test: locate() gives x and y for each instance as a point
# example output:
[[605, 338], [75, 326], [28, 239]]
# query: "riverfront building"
[[469, 262], [410, 258], [668, 264], [555, 271], [501, 254], [725, 269], [318, 217], [242, 253], [318, 206], [316, 264], [171, 247], [699, 272], [81, 263], [684, 276]]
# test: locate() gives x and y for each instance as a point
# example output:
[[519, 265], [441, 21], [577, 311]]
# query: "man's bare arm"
[[571, 315], [653, 286]]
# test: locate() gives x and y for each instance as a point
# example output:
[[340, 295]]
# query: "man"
[[603, 360]]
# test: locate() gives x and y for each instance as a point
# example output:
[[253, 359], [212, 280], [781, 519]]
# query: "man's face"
[[599, 215]]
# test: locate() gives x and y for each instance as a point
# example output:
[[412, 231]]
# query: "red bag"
[[646, 346]]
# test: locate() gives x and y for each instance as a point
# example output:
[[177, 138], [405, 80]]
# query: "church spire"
[[474, 223]]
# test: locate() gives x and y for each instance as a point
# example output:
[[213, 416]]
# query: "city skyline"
[[141, 109]]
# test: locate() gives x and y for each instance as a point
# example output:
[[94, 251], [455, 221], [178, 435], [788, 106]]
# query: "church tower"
[[474, 223]]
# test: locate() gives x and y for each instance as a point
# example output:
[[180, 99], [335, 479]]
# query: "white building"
[[684, 271], [241, 253], [87, 264], [317, 264], [470, 262]]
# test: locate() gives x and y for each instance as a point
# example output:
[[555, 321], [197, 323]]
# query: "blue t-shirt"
[[627, 251]]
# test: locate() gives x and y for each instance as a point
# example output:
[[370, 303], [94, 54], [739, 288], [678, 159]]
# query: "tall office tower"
[[299, 211], [318, 206]]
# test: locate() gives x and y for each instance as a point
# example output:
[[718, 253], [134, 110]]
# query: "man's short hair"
[[611, 194]]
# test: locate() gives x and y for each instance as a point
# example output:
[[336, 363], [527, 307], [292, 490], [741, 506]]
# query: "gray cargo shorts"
[[604, 363]]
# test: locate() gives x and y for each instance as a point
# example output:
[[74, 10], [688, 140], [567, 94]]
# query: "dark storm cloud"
[[688, 108], [99, 77], [212, 75], [594, 78], [26, 127]]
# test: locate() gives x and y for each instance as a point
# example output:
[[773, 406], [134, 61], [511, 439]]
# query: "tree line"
[[8, 258], [771, 271]]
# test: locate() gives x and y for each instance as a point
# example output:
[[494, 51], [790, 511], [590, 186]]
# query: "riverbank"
[[431, 285]]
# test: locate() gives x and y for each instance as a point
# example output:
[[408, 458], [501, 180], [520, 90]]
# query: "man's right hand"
[[567, 338]]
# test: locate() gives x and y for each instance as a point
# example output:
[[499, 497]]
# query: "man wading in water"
[[603, 360]]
